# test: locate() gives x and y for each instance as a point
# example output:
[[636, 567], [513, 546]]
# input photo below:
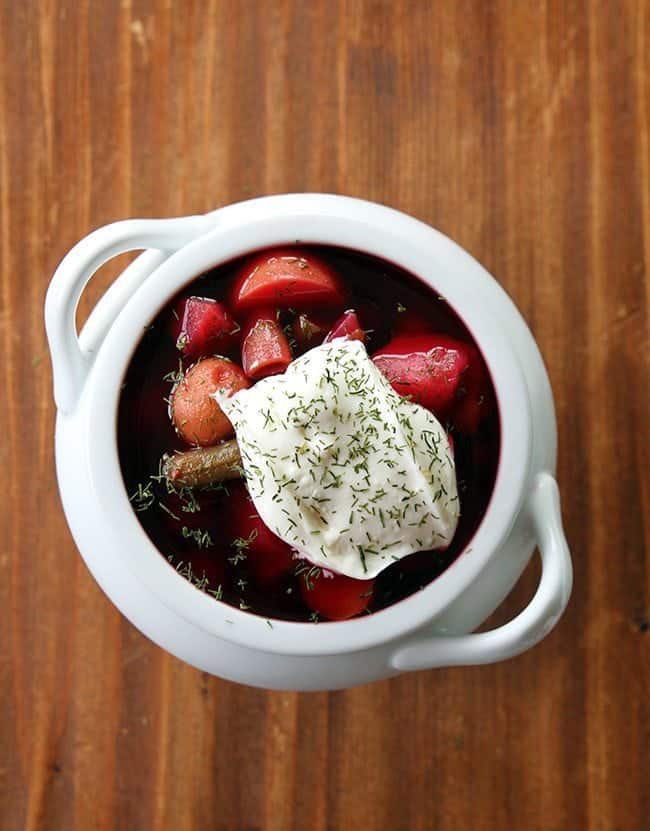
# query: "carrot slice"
[[336, 596], [197, 416], [348, 327], [286, 278]]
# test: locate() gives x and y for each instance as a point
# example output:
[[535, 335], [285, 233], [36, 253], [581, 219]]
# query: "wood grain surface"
[[522, 130]]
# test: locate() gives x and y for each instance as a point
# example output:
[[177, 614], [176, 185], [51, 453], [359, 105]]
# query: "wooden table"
[[522, 130]]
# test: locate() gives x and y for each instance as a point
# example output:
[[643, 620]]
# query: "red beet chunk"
[[286, 278], [265, 348], [475, 400], [267, 556], [445, 375], [426, 368], [348, 327], [308, 331], [206, 328]]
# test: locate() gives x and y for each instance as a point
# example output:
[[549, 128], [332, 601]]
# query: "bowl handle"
[[70, 364], [530, 625]]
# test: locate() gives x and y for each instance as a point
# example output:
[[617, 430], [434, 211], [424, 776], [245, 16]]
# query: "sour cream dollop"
[[340, 466]]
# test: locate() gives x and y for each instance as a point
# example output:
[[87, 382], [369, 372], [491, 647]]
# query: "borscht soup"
[[308, 434]]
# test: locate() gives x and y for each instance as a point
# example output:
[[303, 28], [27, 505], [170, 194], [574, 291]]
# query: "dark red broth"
[[190, 529]]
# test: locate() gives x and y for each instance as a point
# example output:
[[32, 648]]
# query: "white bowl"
[[427, 629]]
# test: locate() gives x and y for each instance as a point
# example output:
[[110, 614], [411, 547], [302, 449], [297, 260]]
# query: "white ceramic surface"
[[428, 629]]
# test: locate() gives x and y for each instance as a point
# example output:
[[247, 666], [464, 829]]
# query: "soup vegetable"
[[308, 434]]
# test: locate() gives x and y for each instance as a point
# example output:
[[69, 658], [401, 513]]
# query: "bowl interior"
[[417, 249], [385, 297]]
